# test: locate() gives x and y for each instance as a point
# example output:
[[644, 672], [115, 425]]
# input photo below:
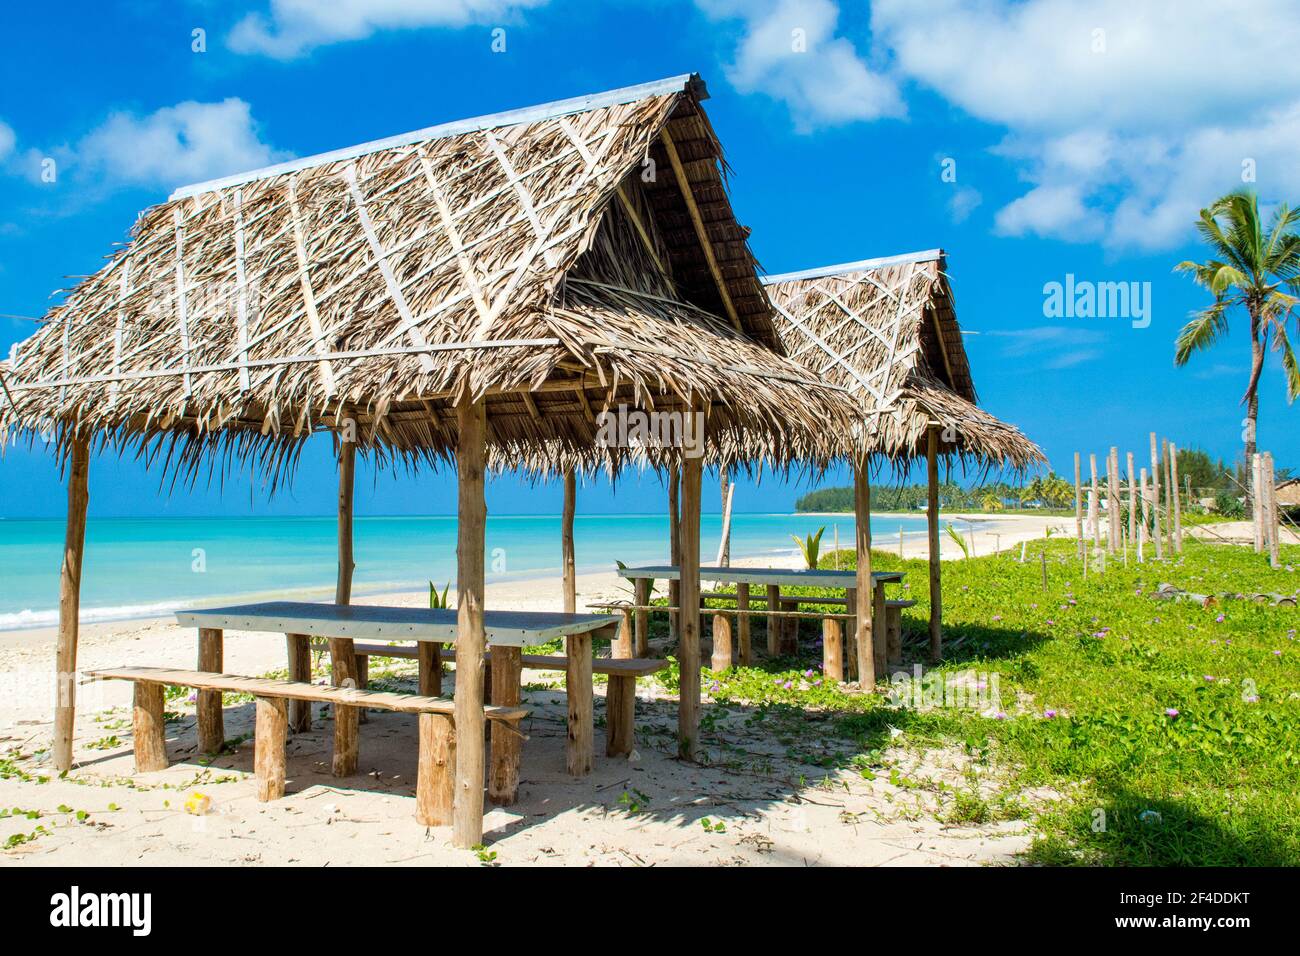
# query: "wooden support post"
[[1170, 493], [1078, 502], [577, 687], [147, 727], [299, 647], [570, 570], [1112, 499], [435, 785], [507, 746], [429, 658], [932, 517], [1132, 500], [832, 649], [620, 715], [788, 628], [722, 650], [1094, 503], [1257, 501], [641, 589], [363, 681], [269, 734], [849, 635], [471, 422], [1178, 498], [343, 659], [688, 648], [773, 623], [1155, 498], [744, 650], [65, 656], [865, 586], [1270, 498], [212, 731], [674, 550], [1145, 521]]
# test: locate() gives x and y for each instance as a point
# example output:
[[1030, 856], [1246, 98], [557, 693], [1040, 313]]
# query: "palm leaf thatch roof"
[[557, 260], [886, 331]]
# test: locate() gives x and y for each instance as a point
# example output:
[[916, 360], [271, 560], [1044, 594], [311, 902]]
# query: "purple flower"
[[1049, 714], [1210, 678], [787, 685], [1171, 711], [1219, 619], [1050, 623], [817, 682], [997, 617], [1000, 715], [1277, 653], [1251, 698], [808, 672]]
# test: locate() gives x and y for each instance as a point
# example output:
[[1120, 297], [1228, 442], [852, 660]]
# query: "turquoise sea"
[[140, 567]]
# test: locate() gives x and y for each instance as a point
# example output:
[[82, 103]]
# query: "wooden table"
[[773, 579], [507, 632]]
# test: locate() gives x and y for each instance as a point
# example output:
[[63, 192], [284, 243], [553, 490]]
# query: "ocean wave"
[[27, 618]]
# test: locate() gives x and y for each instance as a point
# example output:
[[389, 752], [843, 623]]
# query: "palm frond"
[[1201, 332]]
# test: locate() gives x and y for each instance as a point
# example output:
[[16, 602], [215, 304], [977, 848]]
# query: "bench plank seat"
[[295, 690]]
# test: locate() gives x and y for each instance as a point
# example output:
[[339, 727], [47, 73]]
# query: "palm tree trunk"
[[1252, 404]]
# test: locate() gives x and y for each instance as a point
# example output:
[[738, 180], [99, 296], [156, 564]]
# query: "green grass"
[[1216, 784]]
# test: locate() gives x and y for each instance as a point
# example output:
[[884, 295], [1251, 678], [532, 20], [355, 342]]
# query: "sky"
[[1032, 141]]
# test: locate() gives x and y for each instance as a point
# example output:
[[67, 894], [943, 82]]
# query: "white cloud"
[[963, 202], [177, 144], [791, 52], [1123, 134], [7, 140], [290, 28]]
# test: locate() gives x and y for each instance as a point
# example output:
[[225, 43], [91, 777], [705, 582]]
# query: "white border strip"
[[930, 255], [528, 114]]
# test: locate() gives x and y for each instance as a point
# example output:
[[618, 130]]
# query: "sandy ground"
[[774, 808]]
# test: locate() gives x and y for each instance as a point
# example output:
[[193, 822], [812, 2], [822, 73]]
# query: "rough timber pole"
[[1155, 498], [343, 659], [65, 713], [1132, 502], [467, 824], [1112, 500], [1177, 495], [566, 543], [674, 548], [864, 592], [688, 645], [932, 521], [1078, 501], [1094, 504]]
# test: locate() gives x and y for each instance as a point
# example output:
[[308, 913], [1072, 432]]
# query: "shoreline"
[[984, 532]]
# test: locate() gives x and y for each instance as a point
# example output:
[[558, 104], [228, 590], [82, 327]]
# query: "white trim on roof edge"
[[527, 114], [928, 255]]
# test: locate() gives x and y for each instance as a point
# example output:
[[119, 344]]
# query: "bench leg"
[[507, 747], [622, 646], [642, 630], [773, 623], [721, 660], [789, 630], [299, 670], [578, 748], [430, 669], [832, 649], [363, 681], [894, 637], [744, 655], [620, 716], [147, 727], [435, 784], [344, 665], [212, 731], [878, 640], [850, 635], [268, 747]]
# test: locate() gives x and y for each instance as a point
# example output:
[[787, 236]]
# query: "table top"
[[821, 577], [365, 621]]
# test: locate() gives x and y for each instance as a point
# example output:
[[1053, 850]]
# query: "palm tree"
[[1251, 268]]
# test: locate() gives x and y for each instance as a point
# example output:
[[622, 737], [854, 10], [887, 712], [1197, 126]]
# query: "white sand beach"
[[641, 811]]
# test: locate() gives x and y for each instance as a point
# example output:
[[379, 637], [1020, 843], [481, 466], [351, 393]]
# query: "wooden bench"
[[435, 781], [620, 697]]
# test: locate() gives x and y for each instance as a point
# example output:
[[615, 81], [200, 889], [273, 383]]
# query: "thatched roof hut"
[[886, 331], [556, 260], [481, 288]]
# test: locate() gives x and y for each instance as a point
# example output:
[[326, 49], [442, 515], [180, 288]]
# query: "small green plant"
[[712, 827], [811, 547], [956, 536], [438, 602], [485, 856]]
